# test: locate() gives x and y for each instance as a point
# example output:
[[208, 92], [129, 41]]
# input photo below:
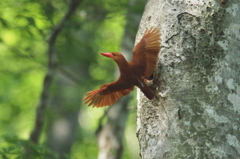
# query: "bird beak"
[[107, 54]]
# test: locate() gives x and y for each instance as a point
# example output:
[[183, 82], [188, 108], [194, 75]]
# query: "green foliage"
[[25, 26], [22, 68], [13, 147]]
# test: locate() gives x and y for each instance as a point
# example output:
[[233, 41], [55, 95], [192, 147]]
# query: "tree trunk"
[[110, 135], [63, 112], [196, 110], [48, 80]]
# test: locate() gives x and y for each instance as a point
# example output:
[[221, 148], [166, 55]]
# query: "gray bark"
[[196, 81]]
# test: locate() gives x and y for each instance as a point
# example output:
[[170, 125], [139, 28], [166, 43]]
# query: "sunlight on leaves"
[[9, 37]]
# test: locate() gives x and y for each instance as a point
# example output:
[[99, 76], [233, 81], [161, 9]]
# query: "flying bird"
[[133, 73]]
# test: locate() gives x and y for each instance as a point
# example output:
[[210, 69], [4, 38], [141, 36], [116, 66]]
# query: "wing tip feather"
[[98, 99]]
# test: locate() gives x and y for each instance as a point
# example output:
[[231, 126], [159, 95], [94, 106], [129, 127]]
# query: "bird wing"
[[145, 53], [108, 94]]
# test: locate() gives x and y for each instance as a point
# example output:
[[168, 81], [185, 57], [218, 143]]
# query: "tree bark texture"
[[196, 110]]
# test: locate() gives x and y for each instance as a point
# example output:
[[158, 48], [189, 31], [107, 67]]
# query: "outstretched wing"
[[145, 53], [108, 94]]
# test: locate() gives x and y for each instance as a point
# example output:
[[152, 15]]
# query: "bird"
[[132, 73]]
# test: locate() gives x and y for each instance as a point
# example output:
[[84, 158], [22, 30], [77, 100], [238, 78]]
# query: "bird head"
[[114, 55]]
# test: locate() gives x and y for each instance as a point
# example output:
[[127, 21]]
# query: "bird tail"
[[147, 91]]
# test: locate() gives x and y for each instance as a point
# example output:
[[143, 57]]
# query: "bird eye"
[[113, 54]]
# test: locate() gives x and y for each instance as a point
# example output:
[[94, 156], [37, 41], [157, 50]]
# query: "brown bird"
[[133, 73]]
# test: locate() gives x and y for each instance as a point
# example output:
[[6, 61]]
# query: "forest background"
[[96, 26]]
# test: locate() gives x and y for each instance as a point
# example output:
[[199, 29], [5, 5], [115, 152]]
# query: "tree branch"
[[52, 63]]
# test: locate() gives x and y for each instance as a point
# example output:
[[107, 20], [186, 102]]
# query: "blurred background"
[[70, 128]]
